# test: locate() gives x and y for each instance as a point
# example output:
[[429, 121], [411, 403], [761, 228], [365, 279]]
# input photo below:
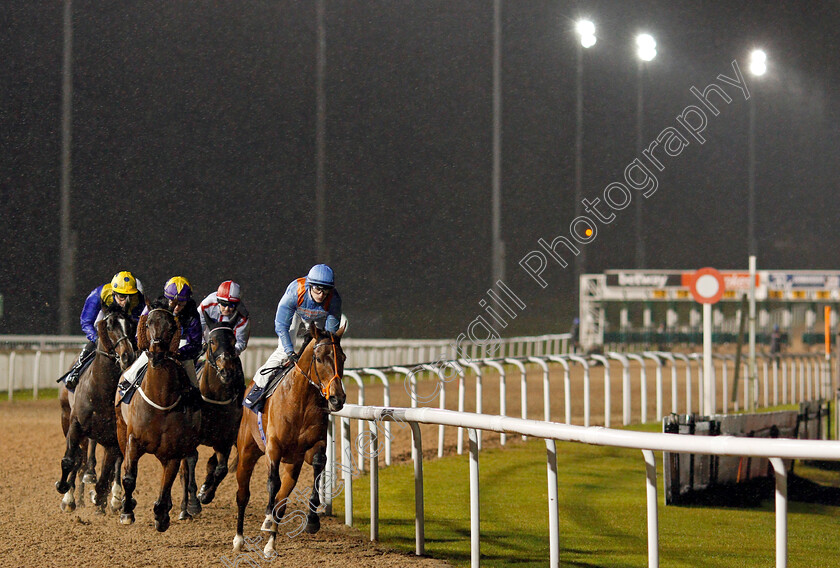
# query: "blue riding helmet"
[[320, 275]]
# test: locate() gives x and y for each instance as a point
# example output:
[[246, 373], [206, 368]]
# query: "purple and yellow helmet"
[[178, 288]]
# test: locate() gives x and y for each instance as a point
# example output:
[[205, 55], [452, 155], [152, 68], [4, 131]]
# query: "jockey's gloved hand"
[[290, 359]]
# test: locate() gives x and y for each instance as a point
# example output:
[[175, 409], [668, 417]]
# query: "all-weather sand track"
[[35, 532]]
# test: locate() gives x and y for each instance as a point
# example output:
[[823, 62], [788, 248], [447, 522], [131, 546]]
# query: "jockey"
[[125, 291], [310, 299], [225, 305], [178, 292]]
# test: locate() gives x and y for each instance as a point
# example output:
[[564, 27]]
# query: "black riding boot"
[[73, 377]]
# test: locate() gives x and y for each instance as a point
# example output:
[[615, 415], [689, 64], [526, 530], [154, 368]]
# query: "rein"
[[323, 390]]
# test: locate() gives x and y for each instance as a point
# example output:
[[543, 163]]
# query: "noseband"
[[112, 353], [324, 390]]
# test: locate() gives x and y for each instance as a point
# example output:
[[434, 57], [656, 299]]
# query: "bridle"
[[154, 340], [158, 341], [212, 358], [112, 353], [324, 390]]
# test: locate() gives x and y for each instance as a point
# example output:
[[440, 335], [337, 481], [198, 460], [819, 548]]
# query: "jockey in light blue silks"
[[306, 300]]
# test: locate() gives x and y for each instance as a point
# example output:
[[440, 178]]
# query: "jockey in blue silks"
[[312, 299], [125, 291]]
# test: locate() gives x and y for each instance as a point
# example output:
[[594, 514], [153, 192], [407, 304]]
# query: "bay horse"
[[222, 384], [88, 413], [292, 429], [159, 421]]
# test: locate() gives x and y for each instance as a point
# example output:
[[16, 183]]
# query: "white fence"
[[775, 449], [33, 362]]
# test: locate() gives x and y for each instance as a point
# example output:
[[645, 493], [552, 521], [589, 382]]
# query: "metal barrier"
[[776, 450]]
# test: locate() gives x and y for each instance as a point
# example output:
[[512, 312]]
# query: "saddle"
[[276, 378], [126, 389]]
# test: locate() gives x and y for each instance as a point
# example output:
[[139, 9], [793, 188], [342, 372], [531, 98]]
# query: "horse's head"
[[221, 349], [158, 331], [327, 367], [116, 336]]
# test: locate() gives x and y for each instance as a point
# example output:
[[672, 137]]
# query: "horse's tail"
[[235, 461]]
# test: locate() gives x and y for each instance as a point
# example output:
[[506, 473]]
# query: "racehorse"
[[158, 421], [222, 384], [88, 413], [292, 429]]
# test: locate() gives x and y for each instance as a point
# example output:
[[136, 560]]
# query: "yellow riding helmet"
[[124, 283]]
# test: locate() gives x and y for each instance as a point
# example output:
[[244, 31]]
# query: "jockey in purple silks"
[[179, 293]]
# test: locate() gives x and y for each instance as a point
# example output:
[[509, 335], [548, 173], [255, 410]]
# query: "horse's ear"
[[102, 332], [142, 334], [342, 326], [176, 340], [208, 320], [314, 331]]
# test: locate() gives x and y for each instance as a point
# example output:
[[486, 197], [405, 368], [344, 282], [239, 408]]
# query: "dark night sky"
[[194, 147]]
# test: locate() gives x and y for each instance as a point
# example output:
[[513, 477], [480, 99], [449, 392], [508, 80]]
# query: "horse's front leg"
[[116, 485], [248, 454], [208, 488], [319, 462], [90, 468], [70, 461], [190, 505], [164, 501], [291, 471], [100, 495], [129, 482]]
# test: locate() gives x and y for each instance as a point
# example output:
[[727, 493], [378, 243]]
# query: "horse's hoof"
[[205, 497], [115, 504], [62, 487], [313, 523], [127, 518], [268, 524], [68, 507], [99, 511], [89, 478], [184, 516], [237, 543], [194, 508], [162, 524], [93, 496]]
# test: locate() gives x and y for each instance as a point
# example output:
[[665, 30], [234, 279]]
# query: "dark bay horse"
[[222, 384], [294, 430], [88, 413], [158, 421]]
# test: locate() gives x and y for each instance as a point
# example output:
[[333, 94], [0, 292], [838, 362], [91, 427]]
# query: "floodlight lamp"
[[585, 28], [758, 62]]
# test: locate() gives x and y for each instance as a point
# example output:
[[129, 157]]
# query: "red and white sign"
[[707, 286]]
